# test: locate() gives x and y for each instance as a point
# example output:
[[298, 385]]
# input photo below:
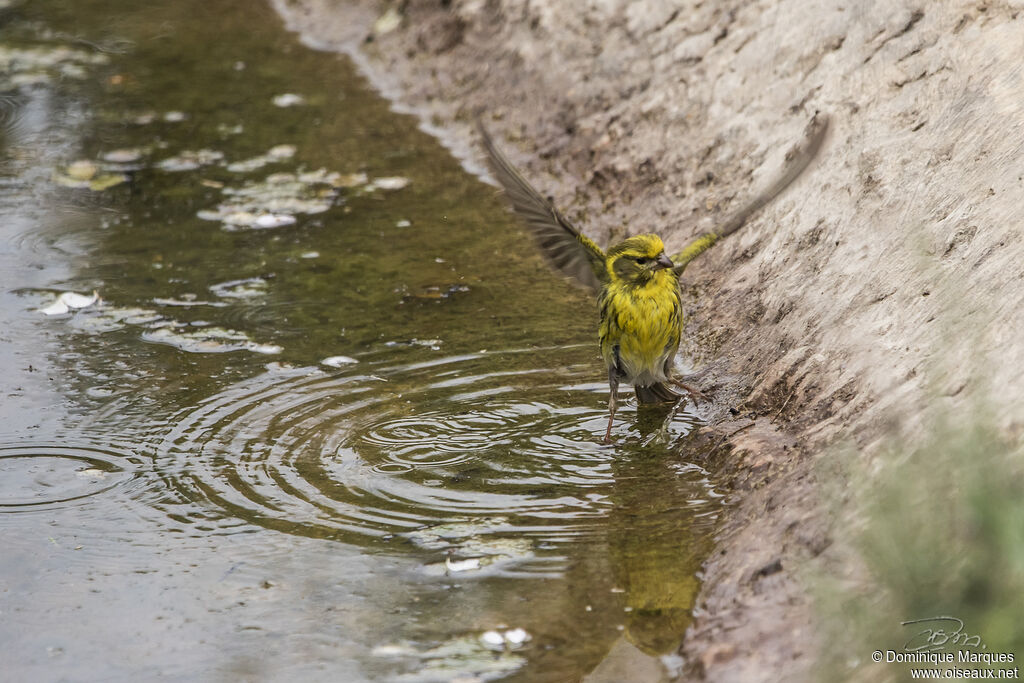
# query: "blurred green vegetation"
[[933, 528]]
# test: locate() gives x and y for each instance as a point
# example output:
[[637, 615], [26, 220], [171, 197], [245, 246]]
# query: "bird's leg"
[[613, 403], [693, 391]]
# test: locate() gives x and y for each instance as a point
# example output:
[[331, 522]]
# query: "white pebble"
[[338, 361], [392, 183], [282, 152], [288, 100], [273, 220], [492, 638], [392, 650], [516, 636], [268, 349], [461, 565]]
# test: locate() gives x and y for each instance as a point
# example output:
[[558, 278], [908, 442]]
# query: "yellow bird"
[[637, 283]]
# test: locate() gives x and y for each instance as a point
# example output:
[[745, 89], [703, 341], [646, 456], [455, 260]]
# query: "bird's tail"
[[659, 392]]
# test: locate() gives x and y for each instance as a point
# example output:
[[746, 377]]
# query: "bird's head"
[[637, 260]]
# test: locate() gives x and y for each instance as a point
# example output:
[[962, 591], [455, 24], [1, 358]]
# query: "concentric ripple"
[[453, 448], [43, 476], [11, 113]]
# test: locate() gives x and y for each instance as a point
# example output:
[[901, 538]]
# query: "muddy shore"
[[885, 280]]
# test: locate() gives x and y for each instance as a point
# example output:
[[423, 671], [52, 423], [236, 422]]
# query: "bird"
[[637, 283]]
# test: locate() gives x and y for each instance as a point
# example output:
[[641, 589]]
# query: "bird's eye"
[[642, 260]]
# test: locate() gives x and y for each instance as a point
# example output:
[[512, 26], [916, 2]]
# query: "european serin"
[[637, 283]]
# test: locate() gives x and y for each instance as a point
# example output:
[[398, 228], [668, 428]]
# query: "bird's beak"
[[663, 261]]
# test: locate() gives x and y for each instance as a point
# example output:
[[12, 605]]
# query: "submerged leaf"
[[274, 201], [107, 180], [274, 155], [208, 340], [240, 289], [81, 170], [190, 160], [123, 156]]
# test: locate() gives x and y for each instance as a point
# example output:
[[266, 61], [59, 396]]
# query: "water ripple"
[[11, 112], [37, 476], [407, 452]]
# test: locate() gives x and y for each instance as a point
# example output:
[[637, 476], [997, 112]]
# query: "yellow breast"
[[643, 323]]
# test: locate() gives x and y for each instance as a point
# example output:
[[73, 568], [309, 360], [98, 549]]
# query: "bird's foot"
[[608, 434], [693, 391]]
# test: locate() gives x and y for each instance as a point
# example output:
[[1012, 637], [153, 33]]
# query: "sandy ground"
[[884, 283]]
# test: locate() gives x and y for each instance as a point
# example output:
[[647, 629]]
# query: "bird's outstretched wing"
[[797, 159], [561, 243]]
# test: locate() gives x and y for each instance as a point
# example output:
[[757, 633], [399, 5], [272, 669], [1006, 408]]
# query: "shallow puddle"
[[329, 416]]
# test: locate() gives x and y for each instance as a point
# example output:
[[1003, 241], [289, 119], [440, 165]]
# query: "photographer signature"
[[937, 635]]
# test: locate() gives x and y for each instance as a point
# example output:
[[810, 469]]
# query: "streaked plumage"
[[641, 316], [637, 284]]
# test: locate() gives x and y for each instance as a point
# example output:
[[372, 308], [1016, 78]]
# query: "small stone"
[[492, 639], [273, 220], [338, 361], [280, 152], [387, 22], [516, 636], [390, 183], [461, 565], [288, 100]]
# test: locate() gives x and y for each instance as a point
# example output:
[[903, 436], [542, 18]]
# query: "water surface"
[[187, 488]]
